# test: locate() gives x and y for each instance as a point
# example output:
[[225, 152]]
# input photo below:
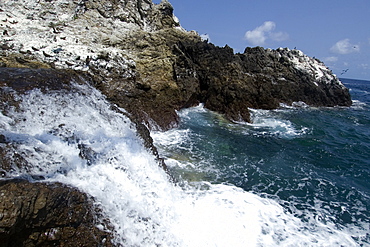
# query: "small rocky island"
[[137, 54]]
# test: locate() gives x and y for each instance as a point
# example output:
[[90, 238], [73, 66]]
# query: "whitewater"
[[141, 201]]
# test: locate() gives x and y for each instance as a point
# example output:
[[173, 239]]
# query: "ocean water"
[[297, 176], [313, 162]]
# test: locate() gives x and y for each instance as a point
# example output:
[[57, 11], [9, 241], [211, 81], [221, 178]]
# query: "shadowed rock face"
[[230, 83], [40, 214], [191, 72], [24, 79]]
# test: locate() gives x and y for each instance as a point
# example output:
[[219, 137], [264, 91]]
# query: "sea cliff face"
[[137, 54], [140, 57]]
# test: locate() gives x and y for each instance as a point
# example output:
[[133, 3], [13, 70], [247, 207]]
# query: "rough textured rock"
[[40, 214], [258, 78], [140, 57], [152, 94]]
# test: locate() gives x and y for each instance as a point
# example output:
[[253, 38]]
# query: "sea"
[[295, 176]]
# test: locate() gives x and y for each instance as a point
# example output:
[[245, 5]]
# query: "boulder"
[[48, 214]]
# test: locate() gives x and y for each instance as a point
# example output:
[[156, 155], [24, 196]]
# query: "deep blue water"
[[315, 162]]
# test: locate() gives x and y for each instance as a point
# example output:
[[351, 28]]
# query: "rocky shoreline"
[[136, 53]]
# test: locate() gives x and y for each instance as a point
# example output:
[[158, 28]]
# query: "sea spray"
[[78, 139], [281, 157]]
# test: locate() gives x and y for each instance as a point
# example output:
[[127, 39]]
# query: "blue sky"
[[335, 31]]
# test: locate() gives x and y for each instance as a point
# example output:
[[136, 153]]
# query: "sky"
[[335, 31]]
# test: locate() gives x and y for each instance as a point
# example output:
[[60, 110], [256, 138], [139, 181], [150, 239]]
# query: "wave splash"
[[78, 139]]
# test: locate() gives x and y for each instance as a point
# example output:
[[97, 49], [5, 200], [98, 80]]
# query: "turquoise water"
[[314, 162]]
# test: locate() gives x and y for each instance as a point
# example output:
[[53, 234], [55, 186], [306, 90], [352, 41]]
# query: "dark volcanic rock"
[[40, 214], [25, 79], [259, 78]]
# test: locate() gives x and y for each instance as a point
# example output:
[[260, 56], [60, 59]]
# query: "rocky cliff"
[[140, 57], [136, 53]]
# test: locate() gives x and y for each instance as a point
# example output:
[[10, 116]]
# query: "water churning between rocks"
[[281, 181]]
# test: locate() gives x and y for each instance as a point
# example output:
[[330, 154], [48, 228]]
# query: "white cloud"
[[364, 66], [344, 47], [205, 37], [260, 34], [330, 59], [279, 36]]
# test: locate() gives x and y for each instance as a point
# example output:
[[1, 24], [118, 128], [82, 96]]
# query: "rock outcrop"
[[140, 57], [41, 214], [259, 78], [136, 53]]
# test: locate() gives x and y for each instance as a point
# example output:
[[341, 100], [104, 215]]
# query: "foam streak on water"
[[77, 139]]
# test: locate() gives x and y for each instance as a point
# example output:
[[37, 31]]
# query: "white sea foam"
[[268, 123], [358, 105], [171, 137], [144, 207], [264, 122], [187, 112]]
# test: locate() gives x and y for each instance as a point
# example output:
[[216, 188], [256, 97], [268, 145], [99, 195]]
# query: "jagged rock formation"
[[136, 53], [259, 78], [141, 58]]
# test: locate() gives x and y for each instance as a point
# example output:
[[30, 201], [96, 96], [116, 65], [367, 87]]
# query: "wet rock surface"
[[43, 214], [25, 79], [47, 214]]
